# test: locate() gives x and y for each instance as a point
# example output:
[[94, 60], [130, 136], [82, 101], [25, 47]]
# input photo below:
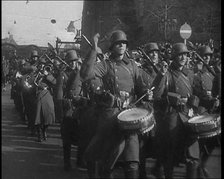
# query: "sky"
[[30, 23]]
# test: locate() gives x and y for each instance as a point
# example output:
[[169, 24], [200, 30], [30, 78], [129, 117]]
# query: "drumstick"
[[143, 96]]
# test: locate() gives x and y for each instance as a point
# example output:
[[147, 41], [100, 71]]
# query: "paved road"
[[24, 158]]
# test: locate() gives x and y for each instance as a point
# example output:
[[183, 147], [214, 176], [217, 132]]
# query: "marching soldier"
[[44, 114], [121, 80], [68, 89], [88, 117], [17, 90], [152, 50], [173, 94], [203, 80], [29, 90], [209, 101], [148, 74]]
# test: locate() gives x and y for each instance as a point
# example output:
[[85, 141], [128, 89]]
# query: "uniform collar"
[[125, 59], [174, 67]]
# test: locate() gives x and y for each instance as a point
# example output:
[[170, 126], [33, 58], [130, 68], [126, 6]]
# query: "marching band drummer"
[[44, 115], [209, 101], [173, 92], [121, 80], [203, 81], [148, 73]]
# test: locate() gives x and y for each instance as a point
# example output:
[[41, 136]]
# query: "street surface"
[[24, 158]]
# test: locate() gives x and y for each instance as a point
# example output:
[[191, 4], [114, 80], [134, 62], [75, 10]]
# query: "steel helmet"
[[151, 47], [34, 53], [204, 50], [71, 55], [177, 49], [118, 36]]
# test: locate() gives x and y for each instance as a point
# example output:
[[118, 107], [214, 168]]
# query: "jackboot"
[[192, 169], [44, 132], [142, 171], [106, 174], [168, 171], [67, 156], [132, 174], [157, 170], [92, 170], [39, 134]]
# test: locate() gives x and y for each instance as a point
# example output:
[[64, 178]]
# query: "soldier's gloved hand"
[[209, 95], [216, 102], [95, 40], [75, 100], [149, 94]]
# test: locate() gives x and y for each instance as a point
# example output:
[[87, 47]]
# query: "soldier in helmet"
[[150, 70], [122, 81], [68, 86], [148, 74], [34, 57], [203, 79], [28, 71], [173, 95], [152, 50], [45, 114], [209, 101]]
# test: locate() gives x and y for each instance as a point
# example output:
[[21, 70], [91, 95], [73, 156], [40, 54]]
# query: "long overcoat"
[[109, 143], [174, 137], [45, 114]]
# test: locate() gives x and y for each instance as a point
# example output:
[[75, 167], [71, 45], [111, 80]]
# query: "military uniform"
[[109, 142], [69, 124], [203, 82], [61, 81], [148, 147], [68, 93], [29, 94], [45, 114], [175, 139], [204, 89], [89, 110]]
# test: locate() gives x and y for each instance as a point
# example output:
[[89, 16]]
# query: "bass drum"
[[204, 126], [136, 120]]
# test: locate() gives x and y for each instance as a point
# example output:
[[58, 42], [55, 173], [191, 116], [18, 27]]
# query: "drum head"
[[132, 114], [202, 119]]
